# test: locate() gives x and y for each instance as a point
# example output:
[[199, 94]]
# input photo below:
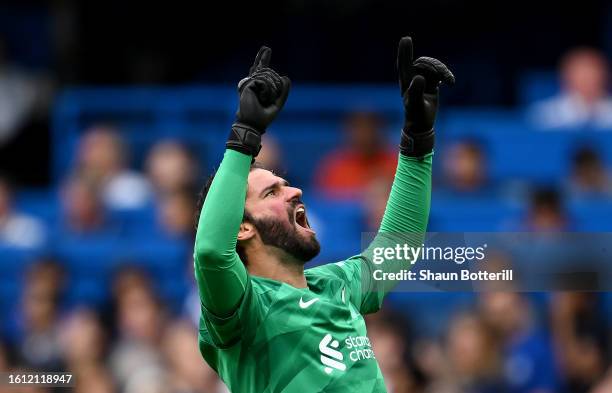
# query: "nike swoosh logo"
[[309, 303]]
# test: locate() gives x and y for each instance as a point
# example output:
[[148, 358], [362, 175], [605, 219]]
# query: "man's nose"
[[293, 193]]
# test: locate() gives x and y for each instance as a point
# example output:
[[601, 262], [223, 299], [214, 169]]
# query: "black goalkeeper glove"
[[419, 81], [262, 95]]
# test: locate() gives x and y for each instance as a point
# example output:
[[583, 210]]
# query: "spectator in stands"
[[171, 167], [17, 230], [4, 357], [83, 212], [148, 379], [581, 338], [39, 347], [528, 356], [584, 100], [270, 155], [388, 333], [176, 213], [93, 380], [20, 93], [546, 213], [374, 203], [605, 385], [83, 340], [474, 356], [589, 177], [464, 167], [191, 306], [346, 172], [135, 356], [187, 373], [467, 359], [102, 157]]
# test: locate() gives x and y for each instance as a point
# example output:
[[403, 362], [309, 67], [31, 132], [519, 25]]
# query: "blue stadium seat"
[[14, 262], [160, 255], [591, 215], [88, 291], [40, 203], [537, 85], [175, 289], [429, 313], [10, 292], [338, 224], [304, 145], [134, 221], [470, 214], [93, 261], [92, 255]]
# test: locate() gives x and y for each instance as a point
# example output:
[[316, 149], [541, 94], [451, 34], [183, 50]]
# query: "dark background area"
[[114, 42], [487, 43]]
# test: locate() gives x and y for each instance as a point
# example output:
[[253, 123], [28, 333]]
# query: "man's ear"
[[246, 231]]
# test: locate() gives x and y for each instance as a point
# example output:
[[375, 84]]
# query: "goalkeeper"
[[267, 324]]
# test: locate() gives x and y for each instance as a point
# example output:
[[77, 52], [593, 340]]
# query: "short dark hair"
[[547, 197], [586, 157], [202, 197], [6, 182]]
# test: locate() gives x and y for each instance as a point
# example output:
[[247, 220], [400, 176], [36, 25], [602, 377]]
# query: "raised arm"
[[408, 206], [407, 211], [220, 274]]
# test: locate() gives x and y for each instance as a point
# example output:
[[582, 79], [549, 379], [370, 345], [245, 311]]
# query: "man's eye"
[[271, 192]]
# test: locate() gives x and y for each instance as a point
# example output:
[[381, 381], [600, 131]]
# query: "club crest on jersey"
[[330, 357]]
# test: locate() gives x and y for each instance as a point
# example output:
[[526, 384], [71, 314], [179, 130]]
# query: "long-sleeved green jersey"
[[262, 335]]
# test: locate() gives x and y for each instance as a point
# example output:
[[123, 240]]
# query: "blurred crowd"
[[584, 99], [136, 341], [497, 342], [102, 183], [132, 344]]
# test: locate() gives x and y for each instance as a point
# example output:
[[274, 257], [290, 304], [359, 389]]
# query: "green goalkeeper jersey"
[[262, 335]]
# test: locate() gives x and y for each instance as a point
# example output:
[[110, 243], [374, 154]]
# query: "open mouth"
[[300, 217]]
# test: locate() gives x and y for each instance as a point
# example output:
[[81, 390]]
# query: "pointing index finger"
[[262, 59], [404, 62]]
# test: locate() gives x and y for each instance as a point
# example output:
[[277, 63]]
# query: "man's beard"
[[277, 233]]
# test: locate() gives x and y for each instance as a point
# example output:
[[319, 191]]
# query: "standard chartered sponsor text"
[[361, 348], [333, 359]]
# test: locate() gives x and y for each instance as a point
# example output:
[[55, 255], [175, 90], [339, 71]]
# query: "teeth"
[[300, 210]]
